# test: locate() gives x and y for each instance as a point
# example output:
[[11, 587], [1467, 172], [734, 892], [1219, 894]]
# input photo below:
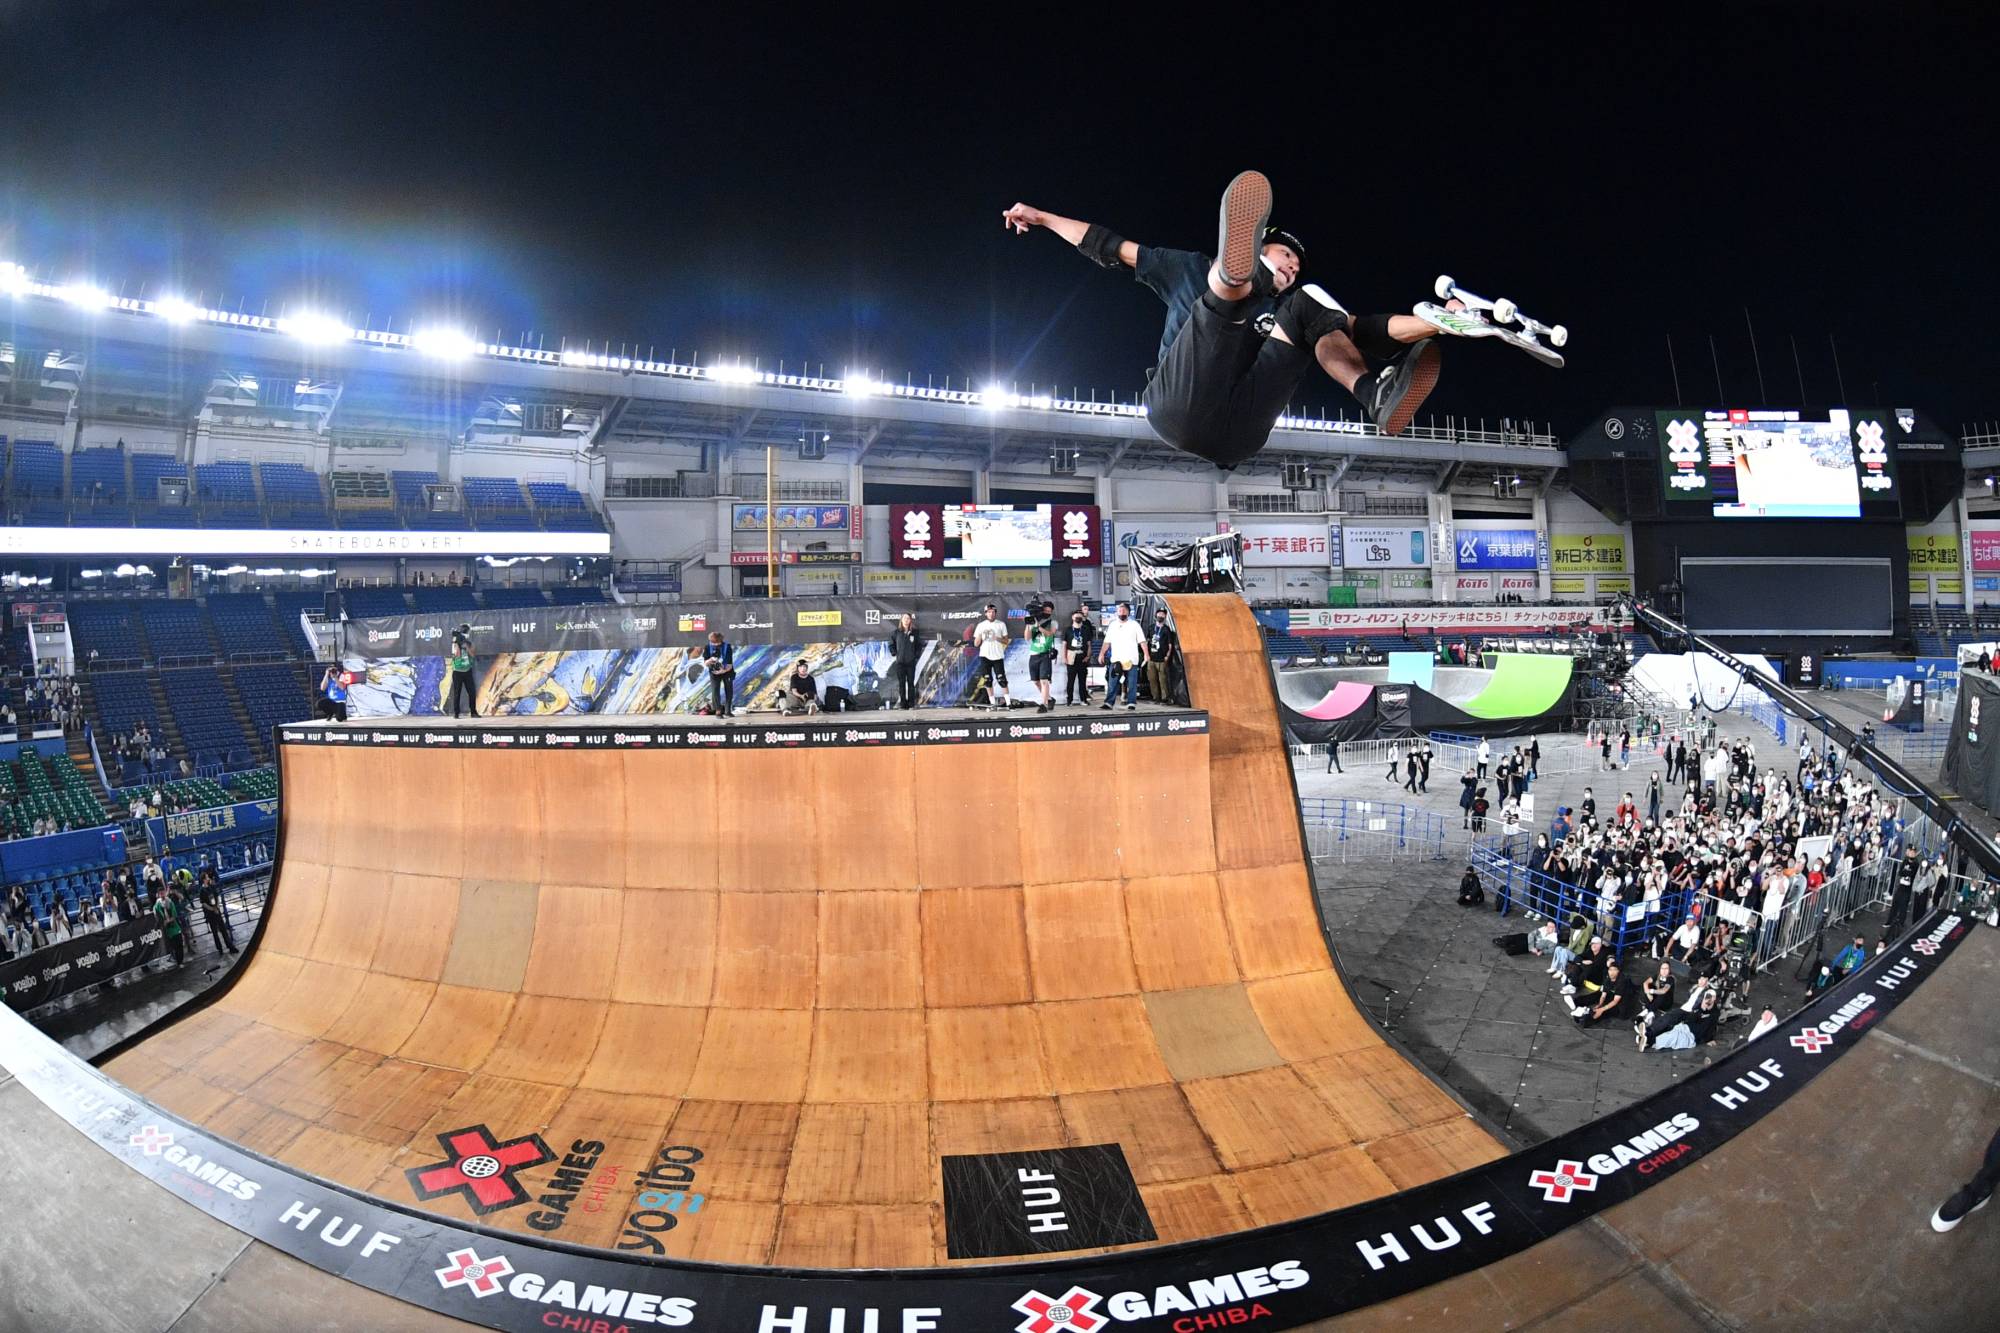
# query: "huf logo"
[[1073, 1311], [1557, 1185], [467, 1269], [481, 1168]]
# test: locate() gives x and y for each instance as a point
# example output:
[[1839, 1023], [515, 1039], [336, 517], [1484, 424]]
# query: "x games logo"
[[480, 1168]]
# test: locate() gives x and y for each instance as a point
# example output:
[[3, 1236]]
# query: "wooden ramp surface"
[[822, 970]]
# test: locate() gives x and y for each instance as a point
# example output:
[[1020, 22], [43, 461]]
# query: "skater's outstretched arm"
[[1096, 242]]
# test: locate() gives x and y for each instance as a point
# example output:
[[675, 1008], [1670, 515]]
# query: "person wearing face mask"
[[1124, 651], [1162, 646], [1077, 639]]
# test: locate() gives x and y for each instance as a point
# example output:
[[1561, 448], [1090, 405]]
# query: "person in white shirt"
[[1485, 757], [1124, 651], [990, 637]]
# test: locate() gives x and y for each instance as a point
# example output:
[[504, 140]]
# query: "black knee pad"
[[1100, 245], [1371, 335]]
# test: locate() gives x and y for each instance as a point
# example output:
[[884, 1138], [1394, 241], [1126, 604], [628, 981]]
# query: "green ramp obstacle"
[[1523, 685]]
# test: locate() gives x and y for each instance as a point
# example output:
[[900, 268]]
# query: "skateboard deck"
[[1500, 319]]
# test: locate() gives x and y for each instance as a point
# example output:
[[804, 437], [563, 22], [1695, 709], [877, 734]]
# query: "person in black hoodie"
[[904, 650]]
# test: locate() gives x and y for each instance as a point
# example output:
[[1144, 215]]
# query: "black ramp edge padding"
[[1295, 1272]]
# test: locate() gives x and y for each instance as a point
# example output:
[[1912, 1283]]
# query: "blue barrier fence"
[[1345, 827], [1625, 928]]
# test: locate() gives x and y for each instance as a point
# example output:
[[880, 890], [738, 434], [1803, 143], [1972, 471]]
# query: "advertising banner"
[[201, 828], [1935, 553], [1391, 619], [84, 960], [1480, 585], [1079, 536], [1524, 583], [1499, 548], [1384, 546], [793, 518], [1986, 550], [1587, 552], [916, 536], [1310, 1269], [1293, 544]]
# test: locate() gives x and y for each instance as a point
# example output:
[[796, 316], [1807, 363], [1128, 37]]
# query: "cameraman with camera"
[[461, 671]]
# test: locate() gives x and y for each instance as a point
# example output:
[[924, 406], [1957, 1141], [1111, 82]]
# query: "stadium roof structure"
[[166, 361]]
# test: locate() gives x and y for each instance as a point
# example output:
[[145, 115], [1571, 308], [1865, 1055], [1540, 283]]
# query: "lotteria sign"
[[1273, 1278]]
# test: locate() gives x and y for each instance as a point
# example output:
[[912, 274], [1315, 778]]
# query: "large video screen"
[[1738, 463], [1818, 595], [997, 536]]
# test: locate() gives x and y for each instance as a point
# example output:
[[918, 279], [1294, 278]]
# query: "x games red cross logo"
[[480, 1168], [1557, 1185], [1811, 1040], [1925, 947], [1072, 1312], [467, 1269]]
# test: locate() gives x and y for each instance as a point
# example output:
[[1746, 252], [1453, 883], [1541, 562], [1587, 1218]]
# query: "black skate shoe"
[[1246, 207], [1393, 396]]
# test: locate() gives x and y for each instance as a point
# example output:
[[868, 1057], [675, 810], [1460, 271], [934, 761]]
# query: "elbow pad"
[[1100, 246]]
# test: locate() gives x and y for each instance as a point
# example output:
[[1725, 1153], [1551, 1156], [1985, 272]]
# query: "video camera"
[[461, 639]]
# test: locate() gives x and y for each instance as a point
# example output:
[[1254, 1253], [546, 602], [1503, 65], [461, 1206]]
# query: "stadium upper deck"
[[156, 359]]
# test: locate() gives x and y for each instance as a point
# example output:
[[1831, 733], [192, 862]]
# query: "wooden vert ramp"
[[790, 983]]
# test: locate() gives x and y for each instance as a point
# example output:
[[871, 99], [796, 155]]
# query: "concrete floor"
[[1493, 1028]]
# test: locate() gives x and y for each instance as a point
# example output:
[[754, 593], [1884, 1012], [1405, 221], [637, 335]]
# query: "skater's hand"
[[1023, 217], [1454, 304]]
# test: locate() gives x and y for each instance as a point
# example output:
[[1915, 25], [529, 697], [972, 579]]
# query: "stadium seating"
[[35, 470], [429, 600], [495, 493], [256, 784], [147, 471], [108, 629], [576, 596], [500, 599], [49, 788], [554, 495], [409, 487], [273, 696], [290, 486], [210, 733], [98, 473], [374, 601], [287, 608], [174, 629], [124, 699], [225, 484], [244, 627]]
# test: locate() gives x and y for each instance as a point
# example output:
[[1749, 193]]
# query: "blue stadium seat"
[[273, 696], [228, 484], [98, 475], [499, 599], [427, 600], [210, 733], [244, 627], [174, 628], [36, 470]]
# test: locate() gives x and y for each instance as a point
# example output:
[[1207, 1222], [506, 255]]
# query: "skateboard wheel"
[[1558, 336], [1504, 311], [1443, 287]]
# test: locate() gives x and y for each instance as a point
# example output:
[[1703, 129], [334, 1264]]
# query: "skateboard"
[[1500, 319]]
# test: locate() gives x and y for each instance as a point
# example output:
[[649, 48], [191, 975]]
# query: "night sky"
[[833, 196]]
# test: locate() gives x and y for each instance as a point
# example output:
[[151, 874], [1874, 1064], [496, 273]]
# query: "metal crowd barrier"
[[1344, 829], [1624, 928]]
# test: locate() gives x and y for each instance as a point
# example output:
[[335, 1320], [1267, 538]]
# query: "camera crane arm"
[[1976, 846]]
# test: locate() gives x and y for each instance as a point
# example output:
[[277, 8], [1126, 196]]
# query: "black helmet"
[[1279, 236]]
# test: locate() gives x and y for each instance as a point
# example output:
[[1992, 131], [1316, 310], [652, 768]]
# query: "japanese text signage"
[[1376, 546], [1588, 552], [1504, 548]]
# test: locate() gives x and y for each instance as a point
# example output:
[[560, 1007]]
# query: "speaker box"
[[332, 605], [1059, 577]]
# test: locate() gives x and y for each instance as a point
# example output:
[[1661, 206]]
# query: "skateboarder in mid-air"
[[1241, 332]]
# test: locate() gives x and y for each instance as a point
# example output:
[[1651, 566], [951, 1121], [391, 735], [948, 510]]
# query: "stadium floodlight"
[[995, 396], [13, 279], [860, 386], [86, 296], [444, 343], [734, 373], [315, 328], [175, 310]]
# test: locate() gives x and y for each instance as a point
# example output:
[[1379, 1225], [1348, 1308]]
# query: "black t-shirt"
[[1077, 637], [1592, 968], [1160, 642], [805, 685], [1665, 999], [1627, 991]]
